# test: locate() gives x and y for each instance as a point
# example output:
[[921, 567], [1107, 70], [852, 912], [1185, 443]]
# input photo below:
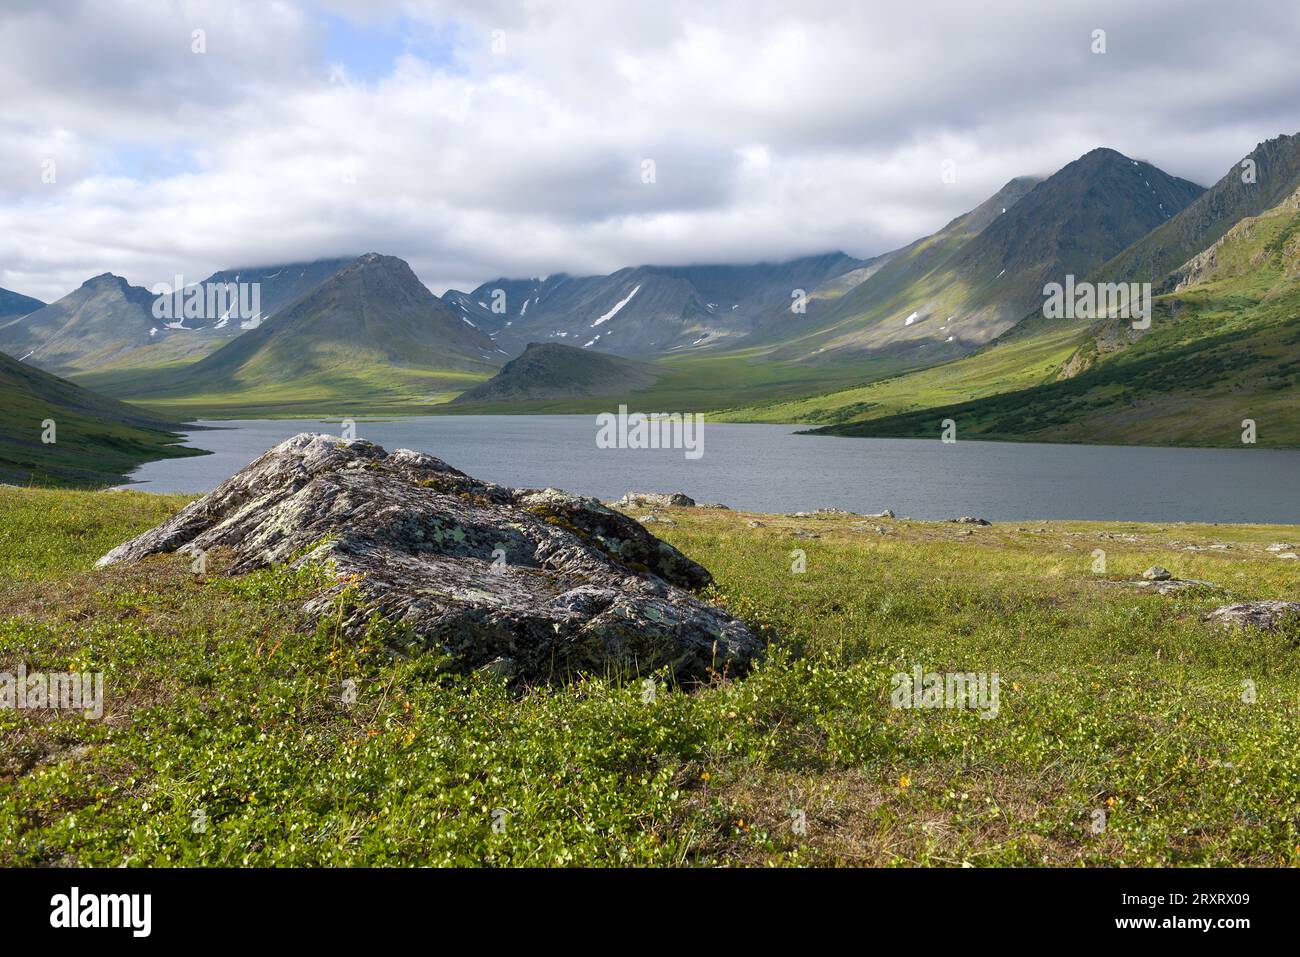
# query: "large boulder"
[[549, 583]]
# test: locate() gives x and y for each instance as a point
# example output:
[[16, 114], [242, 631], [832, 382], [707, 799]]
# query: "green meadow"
[[1128, 730]]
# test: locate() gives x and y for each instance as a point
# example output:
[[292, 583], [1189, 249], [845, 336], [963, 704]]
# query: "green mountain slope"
[[97, 439], [1223, 348]]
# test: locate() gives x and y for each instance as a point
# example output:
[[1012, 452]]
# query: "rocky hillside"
[[1258, 182]]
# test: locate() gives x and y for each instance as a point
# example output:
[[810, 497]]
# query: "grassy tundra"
[[225, 739]]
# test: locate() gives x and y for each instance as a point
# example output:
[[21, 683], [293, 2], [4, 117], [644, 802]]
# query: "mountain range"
[[647, 311], [1218, 351], [951, 325]]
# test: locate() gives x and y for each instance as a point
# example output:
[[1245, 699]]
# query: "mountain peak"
[[374, 313], [105, 279], [1257, 182]]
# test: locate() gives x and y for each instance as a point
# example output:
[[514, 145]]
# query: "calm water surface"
[[768, 468]]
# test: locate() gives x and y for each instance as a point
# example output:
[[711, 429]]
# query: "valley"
[[951, 326]]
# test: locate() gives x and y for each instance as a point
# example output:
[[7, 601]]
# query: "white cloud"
[[776, 129]]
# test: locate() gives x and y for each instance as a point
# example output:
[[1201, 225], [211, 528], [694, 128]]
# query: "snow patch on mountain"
[[614, 312]]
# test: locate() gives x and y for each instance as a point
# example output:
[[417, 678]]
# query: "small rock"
[[969, 520], [1169, 586], [714, 505], [757, 524], [655, 520], [655, 500], [499, 667], [887, 513], [1280, 547], [800, 533], [1254, 614], [1157, 573], [1287, 555]]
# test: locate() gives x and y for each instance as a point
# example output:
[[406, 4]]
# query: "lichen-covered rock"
[[1255, 614], [552, 583], [655, 500]]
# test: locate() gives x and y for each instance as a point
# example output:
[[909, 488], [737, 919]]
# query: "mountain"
[[645, 311], [108, 330], [951, 293], [1273, 171], [13, 304], [97, 439], [277, 287], [103, 318], [550, 370], [371, 332], [1222, 349]]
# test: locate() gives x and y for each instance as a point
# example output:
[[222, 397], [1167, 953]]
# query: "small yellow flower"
[[705, 777], [904, 781], [1110, 802]]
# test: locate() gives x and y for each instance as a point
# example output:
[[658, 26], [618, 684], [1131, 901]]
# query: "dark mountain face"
[[644, 310], [13, 304], [1258, 182], [277, 287], [96, 322], [1079, 217], [370, 315], [549, 370]]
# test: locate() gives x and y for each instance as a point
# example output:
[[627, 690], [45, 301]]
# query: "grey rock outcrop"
[[655, 500], [552, 584], [1255, 614]]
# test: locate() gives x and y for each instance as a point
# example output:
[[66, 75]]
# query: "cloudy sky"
[[513, 137]]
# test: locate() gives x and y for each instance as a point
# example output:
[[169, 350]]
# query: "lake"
[[768, 468]]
